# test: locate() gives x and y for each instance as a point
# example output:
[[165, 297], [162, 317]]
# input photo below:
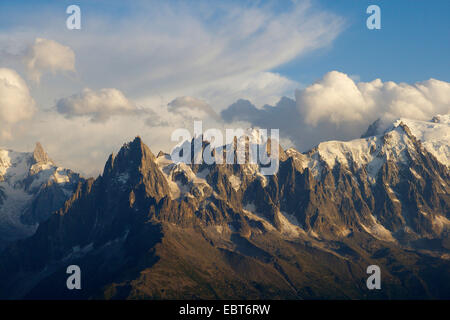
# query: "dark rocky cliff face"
[[149, 228]]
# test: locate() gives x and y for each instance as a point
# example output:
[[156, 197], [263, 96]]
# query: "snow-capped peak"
[[373, 151], [30, 169], [22, 176], [434, 135]]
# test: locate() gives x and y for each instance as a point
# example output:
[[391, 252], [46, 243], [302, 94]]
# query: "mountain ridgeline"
[[149, 228]]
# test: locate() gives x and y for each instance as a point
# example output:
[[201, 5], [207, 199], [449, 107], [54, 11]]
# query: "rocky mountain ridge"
[[151, 228]]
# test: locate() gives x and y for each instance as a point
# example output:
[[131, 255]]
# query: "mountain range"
[[150, 228]]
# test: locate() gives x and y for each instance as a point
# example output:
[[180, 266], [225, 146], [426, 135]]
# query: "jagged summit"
[[135, 165], [39, 154], [32, 186], [136, 143], [137, 149], [133, 155]]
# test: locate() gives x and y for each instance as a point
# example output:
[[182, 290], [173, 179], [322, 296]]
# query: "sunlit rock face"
[[152, 228]]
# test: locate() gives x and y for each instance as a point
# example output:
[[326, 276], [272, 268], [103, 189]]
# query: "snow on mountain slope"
[[395, 143], [434, 135], [21, 169], [247, 148], [181, 179], [22, 176]]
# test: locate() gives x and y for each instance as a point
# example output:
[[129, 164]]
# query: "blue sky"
[[412, 45]]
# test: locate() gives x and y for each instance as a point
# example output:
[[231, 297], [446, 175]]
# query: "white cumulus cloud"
[[335, 98], [48, 56], [16, 103], [339, 105], [339, 108], [99, 105]]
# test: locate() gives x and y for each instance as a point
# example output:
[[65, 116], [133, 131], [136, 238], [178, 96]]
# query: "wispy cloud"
[[156, 53], [173, 49]]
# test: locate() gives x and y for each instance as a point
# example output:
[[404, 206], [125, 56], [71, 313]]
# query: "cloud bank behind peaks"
[[46, 56], [16, 104], [337, 99], [99, 105], [338, 108]]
